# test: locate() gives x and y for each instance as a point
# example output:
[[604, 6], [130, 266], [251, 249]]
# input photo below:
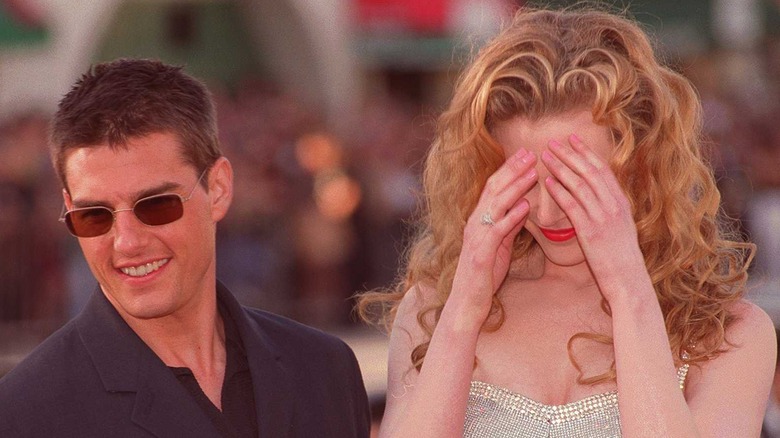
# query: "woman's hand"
[[434, 400], [586, 189], [491, 229]]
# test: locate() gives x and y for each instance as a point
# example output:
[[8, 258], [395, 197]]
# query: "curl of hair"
[[546, 63]]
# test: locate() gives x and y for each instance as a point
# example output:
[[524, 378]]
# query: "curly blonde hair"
[[549, 62]]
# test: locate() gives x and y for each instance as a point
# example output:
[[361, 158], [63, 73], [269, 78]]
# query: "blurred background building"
[[326, 108]]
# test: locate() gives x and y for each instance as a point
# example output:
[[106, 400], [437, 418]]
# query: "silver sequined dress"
[[495, 412]]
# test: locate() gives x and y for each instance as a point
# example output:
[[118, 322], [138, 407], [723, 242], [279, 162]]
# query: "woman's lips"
[[560, 235]]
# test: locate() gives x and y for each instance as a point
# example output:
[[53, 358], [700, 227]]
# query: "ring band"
[[487, 220]]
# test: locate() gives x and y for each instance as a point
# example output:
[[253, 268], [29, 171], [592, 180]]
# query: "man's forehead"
[[145, 159]]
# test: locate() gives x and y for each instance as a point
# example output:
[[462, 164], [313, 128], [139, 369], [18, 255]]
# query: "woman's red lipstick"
[[560, 235]]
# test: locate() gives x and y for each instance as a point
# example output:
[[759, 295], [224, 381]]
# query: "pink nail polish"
[[518, 156]]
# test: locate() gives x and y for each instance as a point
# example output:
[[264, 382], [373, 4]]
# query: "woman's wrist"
[[464, 314], [631, 292]]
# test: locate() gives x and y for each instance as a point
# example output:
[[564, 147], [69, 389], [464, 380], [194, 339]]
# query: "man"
[[163, 349]]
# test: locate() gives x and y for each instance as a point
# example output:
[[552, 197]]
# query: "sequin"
[[495, 412], [498, 413], [682, 373]]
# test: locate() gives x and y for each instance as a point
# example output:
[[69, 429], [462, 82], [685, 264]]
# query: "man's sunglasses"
[[153, 210]]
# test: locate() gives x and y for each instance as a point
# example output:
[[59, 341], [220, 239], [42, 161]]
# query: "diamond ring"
[[487, 220]]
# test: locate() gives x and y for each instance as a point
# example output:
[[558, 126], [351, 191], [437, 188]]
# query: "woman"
[[571, 276]]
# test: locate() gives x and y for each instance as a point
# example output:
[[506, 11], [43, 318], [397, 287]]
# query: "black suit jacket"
[[96, 378]]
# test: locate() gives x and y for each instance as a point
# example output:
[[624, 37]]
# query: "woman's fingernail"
[[523, 206], [518, 156]]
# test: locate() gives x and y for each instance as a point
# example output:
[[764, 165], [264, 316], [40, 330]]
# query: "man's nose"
[[129, 232]]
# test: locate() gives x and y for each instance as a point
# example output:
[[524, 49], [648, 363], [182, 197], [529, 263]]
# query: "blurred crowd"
[[740, 94], [31, 244], [316, 216], [319, 215]]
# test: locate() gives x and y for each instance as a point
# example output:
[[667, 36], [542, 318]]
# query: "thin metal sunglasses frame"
[[64, 213]]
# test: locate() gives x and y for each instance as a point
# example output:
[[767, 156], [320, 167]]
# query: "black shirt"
[[238, 417]]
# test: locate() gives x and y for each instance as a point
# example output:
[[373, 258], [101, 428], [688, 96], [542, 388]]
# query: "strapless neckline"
[[553, 414], [509, 392]]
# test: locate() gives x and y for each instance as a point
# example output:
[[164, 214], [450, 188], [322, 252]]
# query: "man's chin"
[[139, 306]]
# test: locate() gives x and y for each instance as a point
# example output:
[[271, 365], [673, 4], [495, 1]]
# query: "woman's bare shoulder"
[[748, 358], [750, 339], [752, 325], [739, 379]]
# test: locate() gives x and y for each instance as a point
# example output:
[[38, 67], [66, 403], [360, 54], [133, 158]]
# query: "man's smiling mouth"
[[142, 270]]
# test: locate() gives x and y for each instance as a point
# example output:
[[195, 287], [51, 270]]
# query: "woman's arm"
[[434, 400], [727, 397]]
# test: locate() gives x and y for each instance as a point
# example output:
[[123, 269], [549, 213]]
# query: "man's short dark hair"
[[127, 98]]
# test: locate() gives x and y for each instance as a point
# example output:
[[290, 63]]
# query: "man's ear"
[[66, 199], [220, 180]]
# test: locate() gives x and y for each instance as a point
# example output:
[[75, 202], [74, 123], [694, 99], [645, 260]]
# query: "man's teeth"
[[140, 271]]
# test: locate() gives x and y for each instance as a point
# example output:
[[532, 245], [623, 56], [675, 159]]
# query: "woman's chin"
[[565, 259]]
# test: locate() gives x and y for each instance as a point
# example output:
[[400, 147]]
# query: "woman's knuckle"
[[490, 185]]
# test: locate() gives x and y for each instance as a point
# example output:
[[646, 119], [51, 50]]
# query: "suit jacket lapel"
[[273, 386], [126, 364], [164, 407]]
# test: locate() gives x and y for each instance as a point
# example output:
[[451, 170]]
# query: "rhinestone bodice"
[[497, 412]]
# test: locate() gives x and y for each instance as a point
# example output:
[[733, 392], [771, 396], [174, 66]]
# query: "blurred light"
[[738, 23], [317, 152], [337, 195]]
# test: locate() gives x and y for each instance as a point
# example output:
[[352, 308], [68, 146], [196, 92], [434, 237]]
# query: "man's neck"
[[192, 337], [194, 340]]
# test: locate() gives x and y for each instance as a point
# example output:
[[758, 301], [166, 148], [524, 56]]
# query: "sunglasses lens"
[[159, 210], [96, 221], [89, 222]]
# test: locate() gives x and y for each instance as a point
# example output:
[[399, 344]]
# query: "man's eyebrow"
[[164, 187]]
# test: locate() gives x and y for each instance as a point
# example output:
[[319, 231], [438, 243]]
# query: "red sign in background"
[[427, 16], [25, 12]]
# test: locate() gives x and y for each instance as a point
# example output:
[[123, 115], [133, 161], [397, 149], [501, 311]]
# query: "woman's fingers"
[[571, 191], [496, 220], [587, 176], [579, 174], [487, 249], [514, 218], [584, 186], [506, 187], [603, 167]]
